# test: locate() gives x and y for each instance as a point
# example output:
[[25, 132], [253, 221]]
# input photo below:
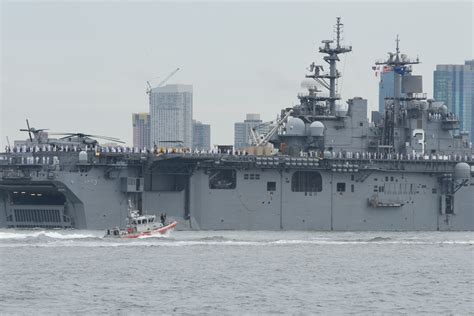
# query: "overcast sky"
[[82, 66]]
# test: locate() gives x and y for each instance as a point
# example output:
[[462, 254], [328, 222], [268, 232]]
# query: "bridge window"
[[252, 176], [306, 181], [222, 179]]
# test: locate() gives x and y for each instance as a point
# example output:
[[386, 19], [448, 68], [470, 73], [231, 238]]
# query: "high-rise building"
[[386, 87], [171, 112], [201, 136], [454, 85], [242, 130], [141, 129]]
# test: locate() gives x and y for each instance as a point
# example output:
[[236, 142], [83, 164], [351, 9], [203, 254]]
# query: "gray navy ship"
[[322, 166]]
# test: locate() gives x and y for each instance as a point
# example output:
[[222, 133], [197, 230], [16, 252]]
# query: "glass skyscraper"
[[171, 114], [201, 136], [386, 87], [141, 130], [454, 85]]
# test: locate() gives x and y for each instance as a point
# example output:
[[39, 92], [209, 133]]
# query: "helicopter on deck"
[[41, 137]]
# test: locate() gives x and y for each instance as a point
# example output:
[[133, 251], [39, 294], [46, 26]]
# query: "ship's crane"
[[162, 82], [263, 141]]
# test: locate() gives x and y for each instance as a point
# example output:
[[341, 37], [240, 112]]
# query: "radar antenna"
[[332, 50], [400, 64]]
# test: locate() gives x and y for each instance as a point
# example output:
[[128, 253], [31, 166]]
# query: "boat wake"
[[42, 234], [77, 238]]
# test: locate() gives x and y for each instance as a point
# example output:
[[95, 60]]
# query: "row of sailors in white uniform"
[[66, 148], [438, 117], [314, 154], [111, 149], [390, 156]]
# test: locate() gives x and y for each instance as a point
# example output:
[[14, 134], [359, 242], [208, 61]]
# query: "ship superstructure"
[[331, 169]]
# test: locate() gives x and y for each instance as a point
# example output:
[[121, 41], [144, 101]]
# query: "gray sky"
[[82, 66]]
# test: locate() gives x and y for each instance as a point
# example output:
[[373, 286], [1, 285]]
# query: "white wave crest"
[[19, 235]]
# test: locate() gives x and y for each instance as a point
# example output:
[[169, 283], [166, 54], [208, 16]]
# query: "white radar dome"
[[462, 171], [316, 129], [295, 127], [341, 109]]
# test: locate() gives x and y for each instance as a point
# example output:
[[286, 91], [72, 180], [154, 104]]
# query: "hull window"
[[306, 181], [341, 187], [271, 186]]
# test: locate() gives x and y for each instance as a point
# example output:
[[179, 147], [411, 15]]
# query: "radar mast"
[[400, 64], [332, 50]]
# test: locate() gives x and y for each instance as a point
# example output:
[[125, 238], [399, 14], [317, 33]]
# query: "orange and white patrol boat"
[[140, 226]]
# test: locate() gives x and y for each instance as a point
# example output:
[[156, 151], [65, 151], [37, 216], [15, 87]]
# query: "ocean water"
[[237, 272]]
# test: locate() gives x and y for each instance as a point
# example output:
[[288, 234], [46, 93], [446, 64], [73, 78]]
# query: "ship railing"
[[414, 156]]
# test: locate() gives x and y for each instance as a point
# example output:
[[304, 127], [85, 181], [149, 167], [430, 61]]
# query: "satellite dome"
[[316, 129], [462, 171], [341, 109], [295, 127]]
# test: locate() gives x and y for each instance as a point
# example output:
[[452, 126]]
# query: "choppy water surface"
[[44, 272]]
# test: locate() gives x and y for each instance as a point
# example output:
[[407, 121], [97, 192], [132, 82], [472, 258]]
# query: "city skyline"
[[86, 75]]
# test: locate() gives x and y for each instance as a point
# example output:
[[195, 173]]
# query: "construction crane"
[[262, 140], [162, 82]]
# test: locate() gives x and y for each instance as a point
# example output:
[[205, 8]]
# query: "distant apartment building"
[[171, 112], [242, 130], [201, 136], [141, 129], [454, 85]]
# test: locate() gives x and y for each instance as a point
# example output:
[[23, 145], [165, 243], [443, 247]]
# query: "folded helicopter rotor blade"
[[104, 137], [119, 141], [71, 134], [29, 130]]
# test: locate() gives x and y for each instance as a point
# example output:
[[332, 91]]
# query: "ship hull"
[[256, 198]]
